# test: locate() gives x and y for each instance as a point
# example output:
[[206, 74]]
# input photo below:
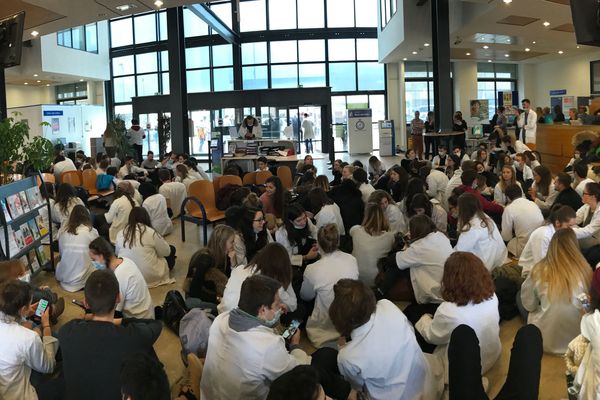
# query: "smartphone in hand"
[[291, 330], [42, 305], [78, 303]]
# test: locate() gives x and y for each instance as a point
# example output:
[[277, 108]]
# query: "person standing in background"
[[430, 142], [136, 137], [309, 133], [416, 128], [527, 123], [459, 125], [501, 121]]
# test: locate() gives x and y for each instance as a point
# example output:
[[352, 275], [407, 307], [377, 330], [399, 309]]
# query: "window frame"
[[69, 32]]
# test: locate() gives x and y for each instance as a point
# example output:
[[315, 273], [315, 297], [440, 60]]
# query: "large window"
[[139, 29], [72, 93], [144, 74], [418, 85], [209, 68], [493, 78], [83, 37], [388, 9]]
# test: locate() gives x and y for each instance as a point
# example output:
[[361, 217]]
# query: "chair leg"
[[182, 230], [205, 232]]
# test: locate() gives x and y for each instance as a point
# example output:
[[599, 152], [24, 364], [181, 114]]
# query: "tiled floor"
[[552, 385]]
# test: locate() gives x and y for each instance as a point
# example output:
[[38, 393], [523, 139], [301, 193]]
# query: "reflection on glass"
[[284, 51], [312, 75], [311, 14], [146, 62], [91, 38], [121, 33], [200, 140], [198, 81], [342, 76], [223, 79], [416, 98], [145, 28], [339, 15], [252, 16], [125, 112], [341, 50], [282, 14], [371, 76], [311, 50], [254, 53], [123, 65], [284, 76], [255, 77]]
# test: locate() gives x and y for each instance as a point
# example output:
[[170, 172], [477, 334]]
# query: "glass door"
[[201, 132], [149, 123], [312, 114]]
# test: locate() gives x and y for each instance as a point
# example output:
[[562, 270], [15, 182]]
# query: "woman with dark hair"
[[421, 204], [23, 352], [275, 197], [156, 205], [415, 186], [298, 236], [118, 213], [396, 219], [410, 156], [325, 211], [398, 179], [402, 371], [139, 242], [251, 233], [468, 297], [588, 217], [135, 300], [204, 283], [66, 200], [542, 191], [348, 197], [75, 265], [478, 233], [272, 261]]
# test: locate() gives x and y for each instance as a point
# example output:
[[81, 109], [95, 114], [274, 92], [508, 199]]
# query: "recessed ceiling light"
[[546, 23], [489, 60], [507, 1], [38, 81], [34, 33], [81, 80], [486, 47], [527, 49], [533, 42], [506, 55], [47, 84], [578, 47], [158, 3], [404, 59], [560, 52], [426, 44], [468, 54], [414, 52], [125, 7], [35, 75], [26, 83]]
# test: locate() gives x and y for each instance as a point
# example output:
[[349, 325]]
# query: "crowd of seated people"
[[328, 257]]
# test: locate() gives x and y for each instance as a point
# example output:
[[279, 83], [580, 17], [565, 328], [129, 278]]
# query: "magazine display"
[[14, 205], [27, 235], [33, 261], [34, 197], [43, 254], [42, 224], [7, 217], [24, 202], [34, 229]]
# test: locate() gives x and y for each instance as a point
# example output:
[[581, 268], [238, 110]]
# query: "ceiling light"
[[527, 49], [125, 7], [533, 42], [546, 23], [35, 75], [414, 52], [489, 60], [47, 84], [38, 81], [34, 33], [506, 55], [426, 44], [158, 3], [486, 47], [468, 54], [578, 47], [26, 83], [81, 80], [507, 1], [404, 59], [560, 52]]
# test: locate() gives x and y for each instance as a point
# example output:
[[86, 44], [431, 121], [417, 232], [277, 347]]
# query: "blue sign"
[[359, 113], [559, 92], [50, 113]]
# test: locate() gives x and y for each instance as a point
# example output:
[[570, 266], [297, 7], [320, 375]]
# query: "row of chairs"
[[200, 206], [85, 179]]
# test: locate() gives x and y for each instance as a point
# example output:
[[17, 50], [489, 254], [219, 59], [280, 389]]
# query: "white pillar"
[[526, 84], [465, 85], [396, 100]]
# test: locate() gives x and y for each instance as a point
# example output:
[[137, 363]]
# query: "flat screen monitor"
[[11, 39], [586, 20]]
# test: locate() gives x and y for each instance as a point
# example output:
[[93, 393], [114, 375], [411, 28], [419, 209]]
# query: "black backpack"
[[173, 310]]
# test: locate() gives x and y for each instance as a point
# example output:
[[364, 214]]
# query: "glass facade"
[[83, 38], [493, 78]]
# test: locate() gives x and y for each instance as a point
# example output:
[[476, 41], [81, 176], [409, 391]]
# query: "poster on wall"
[[55, 124], [507, 99], [568, 102], [480, 111]]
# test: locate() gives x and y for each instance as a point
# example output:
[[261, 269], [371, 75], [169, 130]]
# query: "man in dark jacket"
[[567, 196]]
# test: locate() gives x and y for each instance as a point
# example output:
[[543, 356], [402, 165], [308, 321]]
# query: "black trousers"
[[430, 146], [464, 366], [324, 360], [592, 255], [138, 148], [171, 257]]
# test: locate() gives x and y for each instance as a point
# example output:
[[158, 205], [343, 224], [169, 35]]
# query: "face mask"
[[98, 265], [272, 322], [299, 226], [474, 185], [25, 278], [442, 153], [577, 155]]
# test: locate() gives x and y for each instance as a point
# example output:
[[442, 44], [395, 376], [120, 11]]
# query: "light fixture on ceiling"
[[26, 83], [81, 80], [158, 3], [426, 44], [561, 52], [527, 49], [34, 33], [507, 1], [546, 23], [404, 59], [35, 75], [125, 7], [489, 60], [533, 42], [506, 55], [47, 84], [38, 81], [468, 54], [486, 47], [414, 52], [578, 47]]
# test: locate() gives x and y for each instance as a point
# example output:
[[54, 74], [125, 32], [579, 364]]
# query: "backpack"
[[173, 310], [193, 333], [104, 182]]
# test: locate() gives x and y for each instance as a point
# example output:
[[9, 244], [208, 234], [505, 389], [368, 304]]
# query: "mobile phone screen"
[[42, 305], [289, 332]]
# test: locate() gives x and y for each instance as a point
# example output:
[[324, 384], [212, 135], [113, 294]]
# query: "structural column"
[[178, 104], [3, 111], [465, 85], [442, 86]]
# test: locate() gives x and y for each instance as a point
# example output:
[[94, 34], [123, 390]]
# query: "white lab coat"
[[330, 214], [231, 294], [439, 216], [75, 264], [319, 279], [368, 250], [187, 181], [483, 318], [308, 129], [520, 218], [118, 215], [545, 202], [437, 181], [590, 329], [558, 320], [239, 246], [580, 188], [426, 258], [366, 189], [486, 245], [135, 296], [281, 237], [148, 253], [588, 235], [175, 193], [156, 205], [527, 172], [530, 127], [63, 166], [62, 217], [388, 369], [396, 218], [499, 196], [242, 365], [453, 183], [536, 248], [22, 350]]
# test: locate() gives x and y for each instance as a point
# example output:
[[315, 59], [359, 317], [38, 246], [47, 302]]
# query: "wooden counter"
[[554, 143]]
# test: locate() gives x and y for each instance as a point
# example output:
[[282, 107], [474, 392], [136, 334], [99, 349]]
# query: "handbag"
[[173, 310]]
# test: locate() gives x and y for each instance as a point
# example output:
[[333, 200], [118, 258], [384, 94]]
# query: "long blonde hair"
[[513, 179], [216, 245], [375, 222], [564, 269]]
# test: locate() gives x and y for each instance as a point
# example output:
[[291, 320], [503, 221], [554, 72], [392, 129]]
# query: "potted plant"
[[120, 139], [164, 133]]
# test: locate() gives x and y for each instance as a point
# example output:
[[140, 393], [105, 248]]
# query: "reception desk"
[[554, 143]]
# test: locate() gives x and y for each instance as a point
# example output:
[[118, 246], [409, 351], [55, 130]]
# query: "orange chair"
[[262, 176], [285, 174], [46, 177], [200, 207], [217, 183], [72, 177], [89, 178], [531, 146], [229, 180], [249, 178]]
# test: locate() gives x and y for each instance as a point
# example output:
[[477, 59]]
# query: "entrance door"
[[313, 114]]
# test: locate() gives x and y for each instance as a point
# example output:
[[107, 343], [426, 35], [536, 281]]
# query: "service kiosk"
[[387, 138], [360, 131]]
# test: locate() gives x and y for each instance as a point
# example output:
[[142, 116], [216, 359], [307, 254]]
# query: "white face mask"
[[272, 322], [299, 226], [98, 265]]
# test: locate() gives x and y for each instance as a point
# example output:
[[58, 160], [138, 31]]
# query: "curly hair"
[[466, 280]]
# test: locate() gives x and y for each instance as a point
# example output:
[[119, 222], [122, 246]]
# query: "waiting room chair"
[[72, 177], [200, 207], [249, 179], [89, 178], [285, 175], [262, 176]]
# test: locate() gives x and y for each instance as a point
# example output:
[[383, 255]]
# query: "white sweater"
[[118, 215], [486, 245], [520, 218], [156, 205], [368, 250]]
